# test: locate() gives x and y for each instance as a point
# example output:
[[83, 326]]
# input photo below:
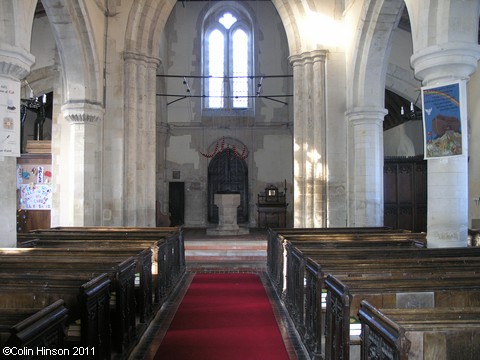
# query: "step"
[[221, 255], [227, 253]]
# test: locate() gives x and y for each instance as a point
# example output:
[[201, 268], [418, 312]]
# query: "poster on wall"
[[444, 120], [34, 183], [9, 118]]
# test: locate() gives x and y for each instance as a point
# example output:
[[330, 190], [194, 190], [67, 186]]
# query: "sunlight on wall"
[[322, 30], [314, 158], [309, 185]]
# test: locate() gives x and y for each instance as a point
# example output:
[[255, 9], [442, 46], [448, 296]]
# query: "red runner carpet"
[[224, 316]]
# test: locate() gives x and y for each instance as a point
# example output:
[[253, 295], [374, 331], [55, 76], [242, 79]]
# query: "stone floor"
[[240, 253]]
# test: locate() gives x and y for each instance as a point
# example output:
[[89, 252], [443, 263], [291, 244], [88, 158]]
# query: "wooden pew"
[[167, 245], [87, 301], [59, 271], [141, 254], [33, 328], [308, 268], [330, 237], [344, 297], [448, 333]]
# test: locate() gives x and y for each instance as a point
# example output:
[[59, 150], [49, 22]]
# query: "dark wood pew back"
[[419, 333], [35, 328], [87, 301], [121, 272], [344, 297]]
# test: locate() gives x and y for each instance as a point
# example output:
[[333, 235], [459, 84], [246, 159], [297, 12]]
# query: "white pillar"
[[309, 139], [140, 139], [82, 157], [447, 187], [15, 64], [366, 166]]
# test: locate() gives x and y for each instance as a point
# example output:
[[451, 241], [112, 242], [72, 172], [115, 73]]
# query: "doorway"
[[176, 203], [228, 173]]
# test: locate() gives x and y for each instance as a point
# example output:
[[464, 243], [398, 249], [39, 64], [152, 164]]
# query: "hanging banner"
[[9, 118], [444, 120]]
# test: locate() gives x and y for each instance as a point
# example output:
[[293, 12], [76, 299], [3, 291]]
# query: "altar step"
[[228, 253]]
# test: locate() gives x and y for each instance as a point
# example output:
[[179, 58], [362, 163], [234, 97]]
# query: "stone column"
[[140, 139], [447, 187], [15, 64], [309, 139], [366, 166], [82, 161]]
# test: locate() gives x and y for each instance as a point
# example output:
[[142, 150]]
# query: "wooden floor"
[[245, 253]]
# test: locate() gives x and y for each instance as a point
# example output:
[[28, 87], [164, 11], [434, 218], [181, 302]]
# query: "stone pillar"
[[309, 139], [447, 187], [140, 139], [366, 166], [84, 167], [15, 64]]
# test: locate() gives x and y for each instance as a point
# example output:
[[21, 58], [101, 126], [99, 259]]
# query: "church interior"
[[293, 140]]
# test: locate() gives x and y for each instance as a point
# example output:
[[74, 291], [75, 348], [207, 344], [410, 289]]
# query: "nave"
[[209, 255]]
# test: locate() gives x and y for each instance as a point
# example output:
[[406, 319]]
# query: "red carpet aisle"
[[224, 316]]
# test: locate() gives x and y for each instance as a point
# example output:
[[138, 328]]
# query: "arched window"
[[227, 61]]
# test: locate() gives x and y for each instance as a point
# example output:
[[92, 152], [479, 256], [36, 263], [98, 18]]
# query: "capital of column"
[[15, 62], [447, 61], [308, 57], [366, 115], [148, 60], [82, 112]]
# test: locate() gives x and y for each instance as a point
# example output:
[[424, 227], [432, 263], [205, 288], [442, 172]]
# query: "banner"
[[9, 118], [444, 122]]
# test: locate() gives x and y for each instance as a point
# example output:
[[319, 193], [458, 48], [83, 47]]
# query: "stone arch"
[[145, 24], [81, 67], [370, 60], [295, 14]]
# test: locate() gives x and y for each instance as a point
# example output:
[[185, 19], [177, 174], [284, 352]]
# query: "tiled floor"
[[153, 336]]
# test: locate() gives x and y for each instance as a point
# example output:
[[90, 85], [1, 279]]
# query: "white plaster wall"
[[270, 158], [181, 152]]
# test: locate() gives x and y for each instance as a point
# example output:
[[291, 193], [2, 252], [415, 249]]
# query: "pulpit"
[[227, 203]]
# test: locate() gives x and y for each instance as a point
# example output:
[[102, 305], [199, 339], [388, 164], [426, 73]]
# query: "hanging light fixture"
[[414, 113]]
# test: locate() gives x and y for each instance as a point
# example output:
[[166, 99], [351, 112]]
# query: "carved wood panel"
[[405, 193]]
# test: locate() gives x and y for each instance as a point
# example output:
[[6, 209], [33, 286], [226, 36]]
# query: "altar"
[[227, 204]]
